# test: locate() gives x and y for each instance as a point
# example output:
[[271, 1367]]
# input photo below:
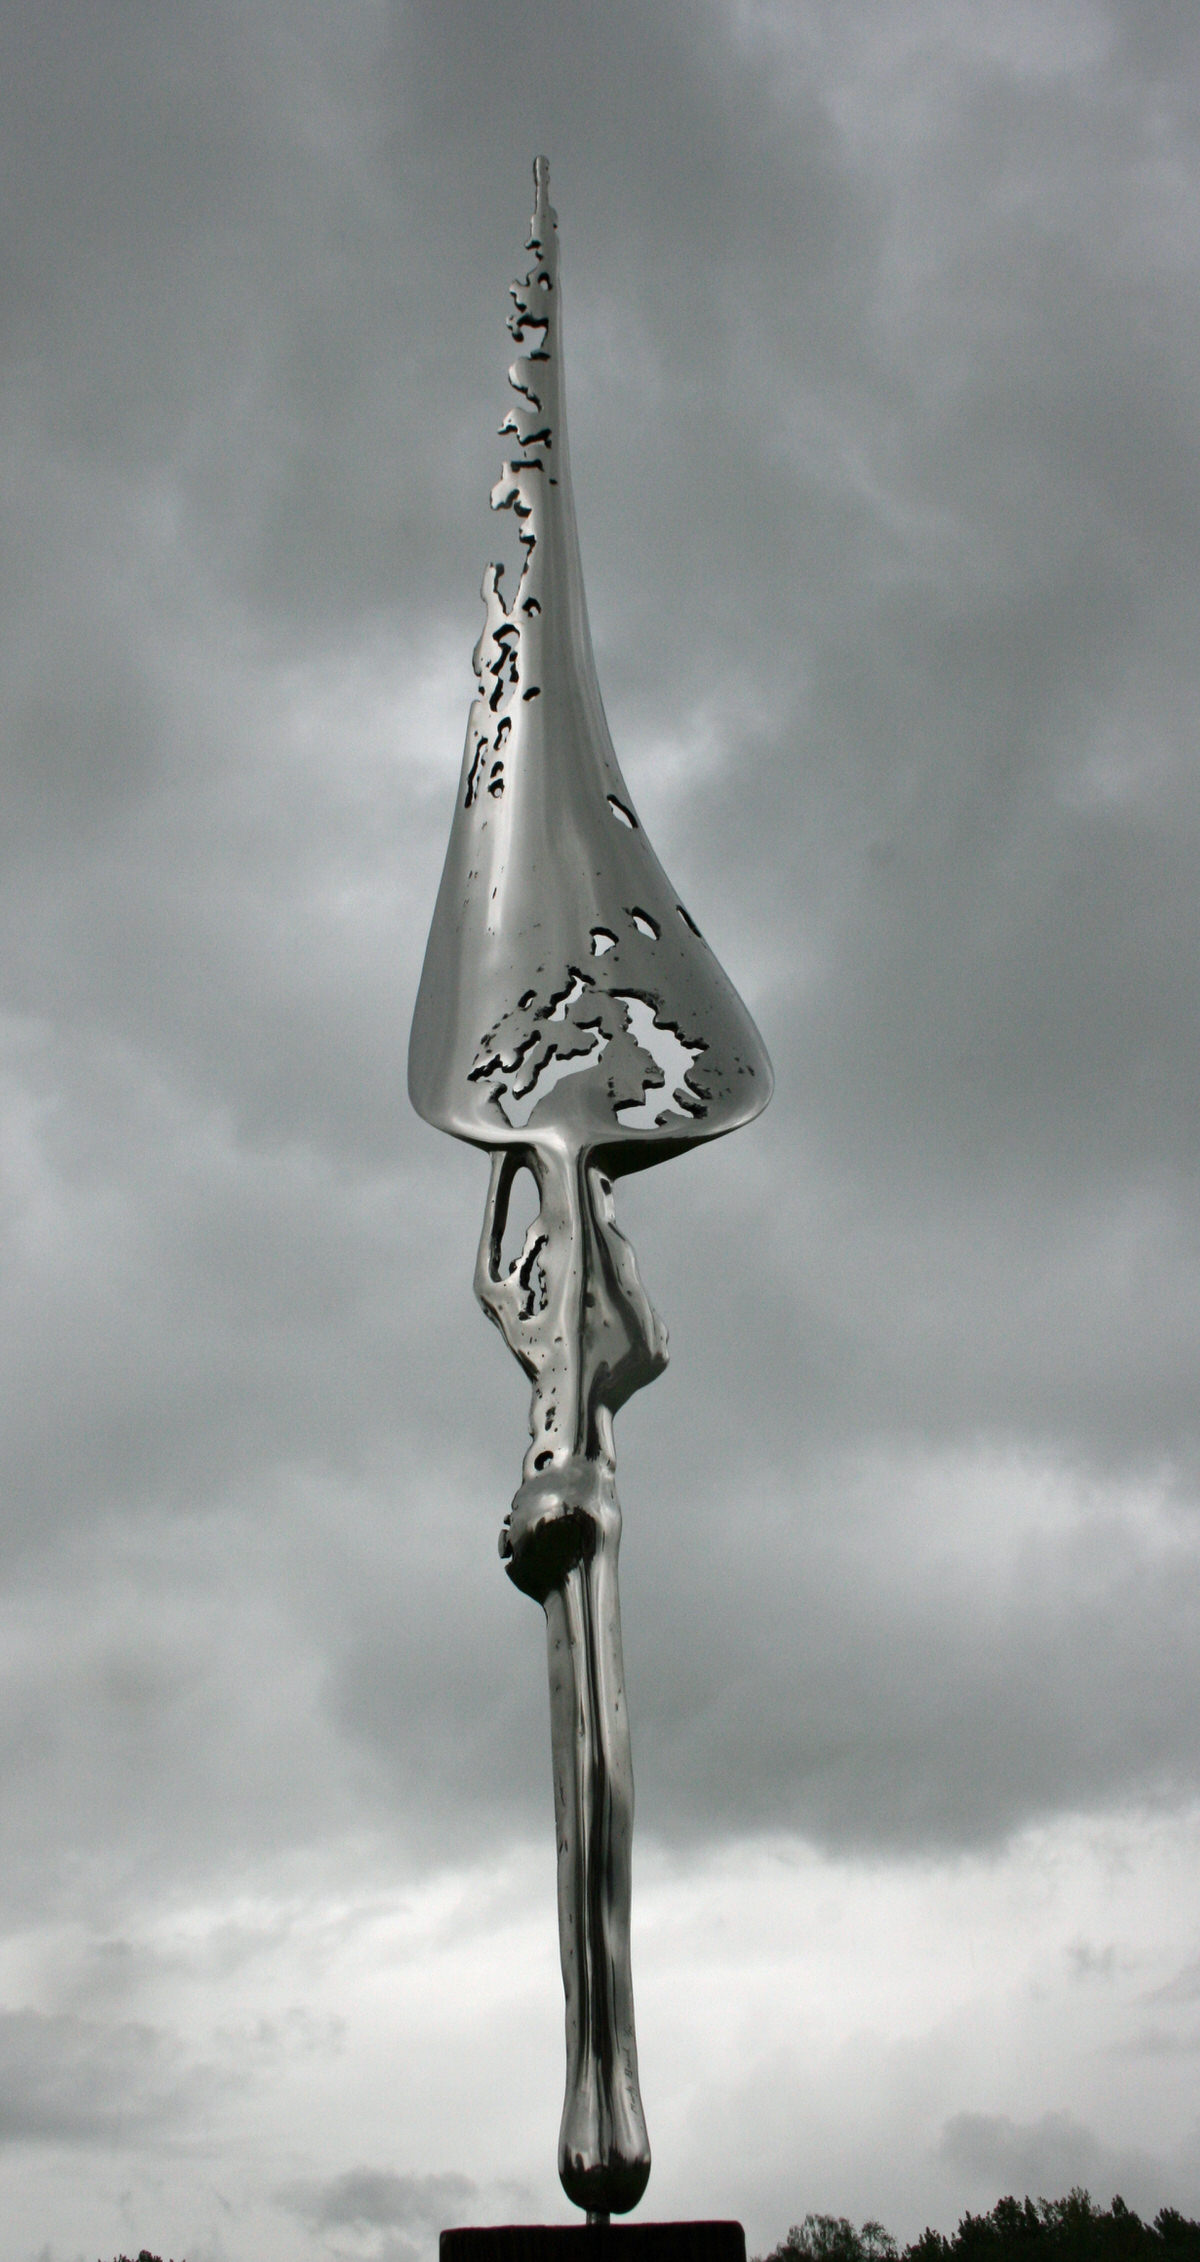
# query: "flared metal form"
[[571, 1020]]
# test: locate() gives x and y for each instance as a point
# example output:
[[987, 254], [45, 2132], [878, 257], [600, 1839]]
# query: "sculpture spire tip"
[[544, 214]]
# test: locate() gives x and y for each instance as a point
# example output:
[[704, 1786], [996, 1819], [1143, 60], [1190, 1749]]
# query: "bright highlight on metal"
[[572, 1020]]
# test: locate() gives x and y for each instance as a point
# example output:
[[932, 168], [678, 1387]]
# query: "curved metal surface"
[[572, 1020]]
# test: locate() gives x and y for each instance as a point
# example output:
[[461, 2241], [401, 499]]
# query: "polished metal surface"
[[572, 1020]]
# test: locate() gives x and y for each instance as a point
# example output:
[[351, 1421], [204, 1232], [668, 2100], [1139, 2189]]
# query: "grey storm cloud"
[[378, 2199], [883, 377], [1048, 2157], [908, 713], [73, 2080]]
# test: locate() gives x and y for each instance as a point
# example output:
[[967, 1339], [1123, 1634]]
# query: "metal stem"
[[603, 2151], [587, 1338]]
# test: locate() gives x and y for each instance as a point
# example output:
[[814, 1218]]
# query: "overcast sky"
[[883, 356]]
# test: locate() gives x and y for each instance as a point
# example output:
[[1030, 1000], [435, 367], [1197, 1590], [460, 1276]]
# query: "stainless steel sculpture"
[[572, 1020]]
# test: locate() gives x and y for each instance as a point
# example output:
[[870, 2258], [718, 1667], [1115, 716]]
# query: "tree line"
[[1073, 2229]]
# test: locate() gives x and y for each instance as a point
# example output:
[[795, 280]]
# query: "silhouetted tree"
[[832, 2238], [144, 2256]]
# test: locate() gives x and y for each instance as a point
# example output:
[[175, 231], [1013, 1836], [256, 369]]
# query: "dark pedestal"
[[597, 2242]]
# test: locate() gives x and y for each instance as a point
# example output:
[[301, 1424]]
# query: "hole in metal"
[[521, 1213], [674, 1060], [519, 1103]]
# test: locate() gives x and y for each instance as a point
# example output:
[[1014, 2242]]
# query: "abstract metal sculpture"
[[572, 1020]]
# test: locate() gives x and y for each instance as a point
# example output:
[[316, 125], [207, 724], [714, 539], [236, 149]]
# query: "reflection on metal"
[[572, 1020]]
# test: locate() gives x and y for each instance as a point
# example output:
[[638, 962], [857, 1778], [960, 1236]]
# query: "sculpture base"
[[596, 2242]]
